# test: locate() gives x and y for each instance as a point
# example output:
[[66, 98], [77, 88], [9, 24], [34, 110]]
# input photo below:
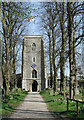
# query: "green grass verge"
[[58, 105], [12, 100]]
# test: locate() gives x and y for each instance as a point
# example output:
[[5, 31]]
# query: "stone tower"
[[33, 63]]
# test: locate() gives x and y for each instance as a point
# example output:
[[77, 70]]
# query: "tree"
[[62, 14], [52, 29], [73, 9], [13, 16], [0, 54]]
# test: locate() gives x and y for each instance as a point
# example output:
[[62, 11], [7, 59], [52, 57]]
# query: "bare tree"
[[13, 16]]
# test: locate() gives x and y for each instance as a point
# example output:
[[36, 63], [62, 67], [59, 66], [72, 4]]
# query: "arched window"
[[33, 59], [34, 74], [33, 46]]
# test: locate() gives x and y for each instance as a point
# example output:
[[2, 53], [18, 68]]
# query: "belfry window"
[[33, 59], [34, 74], [33, 46]]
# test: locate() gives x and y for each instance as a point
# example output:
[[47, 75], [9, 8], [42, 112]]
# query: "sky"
[[29, 27], [36, 22], [38, 30]]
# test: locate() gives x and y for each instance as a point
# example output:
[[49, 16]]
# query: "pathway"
[[33, 106]]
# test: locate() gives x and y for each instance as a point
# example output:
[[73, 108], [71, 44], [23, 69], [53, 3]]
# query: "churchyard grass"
[[11, 101], [58, 105]]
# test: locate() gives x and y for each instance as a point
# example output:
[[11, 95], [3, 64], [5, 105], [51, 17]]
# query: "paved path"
[[33, 106]]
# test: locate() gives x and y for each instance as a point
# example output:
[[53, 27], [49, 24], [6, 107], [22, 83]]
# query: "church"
[[34, 77]]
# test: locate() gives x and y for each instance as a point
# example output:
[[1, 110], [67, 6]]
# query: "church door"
[[34, 86]]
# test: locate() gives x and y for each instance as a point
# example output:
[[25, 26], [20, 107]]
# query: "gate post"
[[67, 104]]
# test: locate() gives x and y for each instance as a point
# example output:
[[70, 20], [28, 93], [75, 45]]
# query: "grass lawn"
[[57, 105], [12, 101]]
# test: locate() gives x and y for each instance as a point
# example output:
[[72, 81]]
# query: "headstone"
[[14, 90], [77, 91], [51, 92]]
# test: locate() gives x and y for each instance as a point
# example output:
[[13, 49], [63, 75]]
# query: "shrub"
[[67, 93], [23, 90], [47, 88], [60, 93]]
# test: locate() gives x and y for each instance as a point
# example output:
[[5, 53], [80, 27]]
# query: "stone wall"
[[28, 55]]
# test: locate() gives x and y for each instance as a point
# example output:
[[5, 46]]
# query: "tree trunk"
[[62, 59], [74, 62], [51, 76], [54, 69], [14, 70], [71, 60], [7, 68]]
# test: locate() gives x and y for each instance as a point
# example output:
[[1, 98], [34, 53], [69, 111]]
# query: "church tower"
[[33, 63]]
